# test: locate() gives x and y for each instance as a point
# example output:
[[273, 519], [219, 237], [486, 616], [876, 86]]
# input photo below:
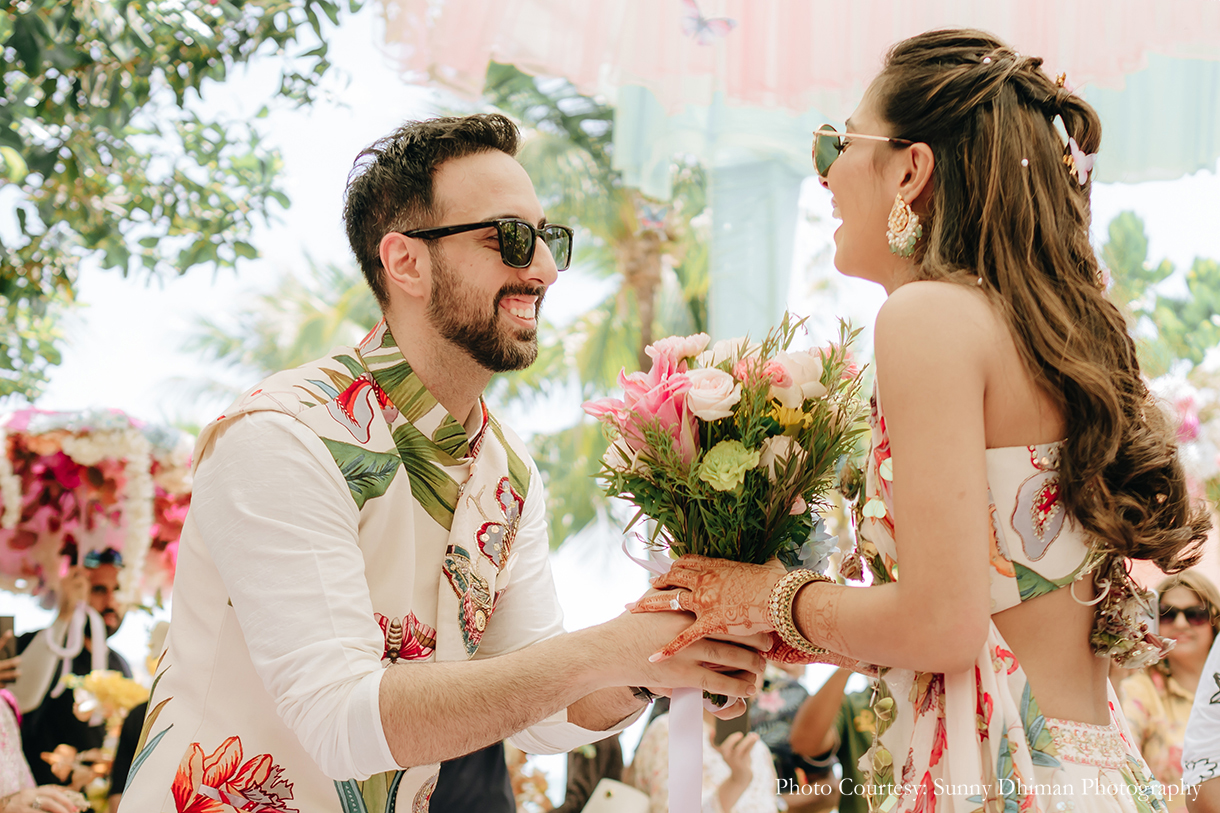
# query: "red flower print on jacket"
[[219, 782], [353, 408]]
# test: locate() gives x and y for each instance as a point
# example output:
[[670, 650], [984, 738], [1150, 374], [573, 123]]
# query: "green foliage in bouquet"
[[731, 451]]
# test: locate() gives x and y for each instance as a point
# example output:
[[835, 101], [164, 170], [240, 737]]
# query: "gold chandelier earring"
[[904, 229]]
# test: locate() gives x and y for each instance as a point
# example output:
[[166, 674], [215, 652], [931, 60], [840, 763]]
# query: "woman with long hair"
[[1017, 457], [1157, 698]]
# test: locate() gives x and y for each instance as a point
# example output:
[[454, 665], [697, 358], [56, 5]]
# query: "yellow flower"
[[866, 722], [108, 693], [789, 416]]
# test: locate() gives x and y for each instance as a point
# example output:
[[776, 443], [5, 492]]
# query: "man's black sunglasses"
[[517, 240]]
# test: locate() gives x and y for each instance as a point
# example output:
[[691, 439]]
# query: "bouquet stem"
[[686, 751]]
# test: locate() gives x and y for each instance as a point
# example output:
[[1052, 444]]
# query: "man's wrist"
[[643, 693]]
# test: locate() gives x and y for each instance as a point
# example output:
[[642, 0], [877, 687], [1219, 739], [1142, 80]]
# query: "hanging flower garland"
[[1194, 402], [75, 482]]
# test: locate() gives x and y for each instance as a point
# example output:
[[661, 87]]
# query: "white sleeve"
[[1201, 748], [527, 612], [283, 531]]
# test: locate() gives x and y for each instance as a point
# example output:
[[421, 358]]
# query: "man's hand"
[[718, 666], [73, 589]]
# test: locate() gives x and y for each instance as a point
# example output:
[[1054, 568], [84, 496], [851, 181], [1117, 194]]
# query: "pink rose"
[[647, 401], [713, 393], [673, 352]]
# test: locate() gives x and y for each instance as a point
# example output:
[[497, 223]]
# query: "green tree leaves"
[[1168, 329], [104, 156]]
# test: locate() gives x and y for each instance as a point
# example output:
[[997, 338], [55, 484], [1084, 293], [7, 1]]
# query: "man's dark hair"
[[390, 185]]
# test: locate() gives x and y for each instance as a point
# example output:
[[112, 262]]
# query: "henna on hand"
[[727, 598]]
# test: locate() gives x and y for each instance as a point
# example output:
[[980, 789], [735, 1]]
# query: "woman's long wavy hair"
[[1007, 210]]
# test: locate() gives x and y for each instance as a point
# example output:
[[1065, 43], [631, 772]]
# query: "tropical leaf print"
[[518, 470], [350, 799], [405, 389], [146, 752], [451, 437], [1032, 584], [368, 474], [373, 795], [432, 488], [1138, 785], [338, 380], [354, 367], [1042, 748], [330, 391]]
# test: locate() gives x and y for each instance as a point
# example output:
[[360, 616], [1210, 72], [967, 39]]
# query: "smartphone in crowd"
[[9, 650]]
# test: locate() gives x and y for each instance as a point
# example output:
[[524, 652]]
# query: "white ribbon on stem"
[[685, 721]]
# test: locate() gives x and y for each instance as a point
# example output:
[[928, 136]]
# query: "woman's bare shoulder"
[[931, 313]]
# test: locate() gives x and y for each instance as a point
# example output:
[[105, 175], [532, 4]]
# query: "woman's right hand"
[[44, 799]]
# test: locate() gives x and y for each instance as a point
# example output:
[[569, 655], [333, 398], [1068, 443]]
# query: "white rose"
[[622, 458], [805, 369], [778, 450], [713, 393], [727, 350]]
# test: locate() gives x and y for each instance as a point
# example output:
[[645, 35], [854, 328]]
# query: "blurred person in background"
[[1201, 746], [738, 774], [18, 793], [805, 781], [75, 643], [1157, 699]]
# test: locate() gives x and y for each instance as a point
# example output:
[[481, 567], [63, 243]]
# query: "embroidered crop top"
[[1036, 548]]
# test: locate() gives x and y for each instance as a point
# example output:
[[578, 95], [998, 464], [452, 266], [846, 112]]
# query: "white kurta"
[[310, 563]]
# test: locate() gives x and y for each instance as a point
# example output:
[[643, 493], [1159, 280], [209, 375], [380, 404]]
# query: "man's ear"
[[406, 263], [917, 174]]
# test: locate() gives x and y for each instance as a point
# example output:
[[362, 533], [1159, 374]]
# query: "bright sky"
[[122, 348]]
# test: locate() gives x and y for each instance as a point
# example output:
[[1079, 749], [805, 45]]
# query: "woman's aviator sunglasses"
[[1195, 616], [517, 240], [828, 144]]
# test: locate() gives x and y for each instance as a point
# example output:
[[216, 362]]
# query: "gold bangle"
[[779, 610]]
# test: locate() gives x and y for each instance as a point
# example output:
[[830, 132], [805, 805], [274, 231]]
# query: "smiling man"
[[363, 586]]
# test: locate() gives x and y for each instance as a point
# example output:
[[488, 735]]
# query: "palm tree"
[[652, 256], [299, 321]]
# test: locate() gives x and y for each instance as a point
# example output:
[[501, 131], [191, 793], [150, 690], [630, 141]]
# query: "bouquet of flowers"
[[732, 450]]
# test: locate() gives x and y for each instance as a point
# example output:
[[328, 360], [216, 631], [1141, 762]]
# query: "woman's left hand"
[[728, 598]]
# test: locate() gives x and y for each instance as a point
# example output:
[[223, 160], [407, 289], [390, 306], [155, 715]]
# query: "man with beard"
[[48, 717], [363, 587]]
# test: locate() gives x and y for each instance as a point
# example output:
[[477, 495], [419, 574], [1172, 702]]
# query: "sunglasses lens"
[[1195, 616], [825, 149], [516, 243], [559, 241]]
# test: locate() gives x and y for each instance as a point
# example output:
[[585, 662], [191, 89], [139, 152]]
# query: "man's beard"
[[455, 312], [112, 620]]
